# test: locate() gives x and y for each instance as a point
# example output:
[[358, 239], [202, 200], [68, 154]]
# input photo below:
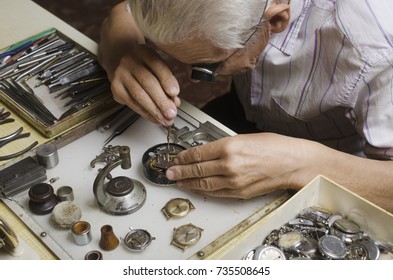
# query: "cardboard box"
[[322, 192]]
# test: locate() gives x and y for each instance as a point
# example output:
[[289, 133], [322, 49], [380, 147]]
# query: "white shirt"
[[328, 77]]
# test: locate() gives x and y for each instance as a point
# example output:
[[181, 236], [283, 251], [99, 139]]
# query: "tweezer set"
[[69, 74], [66, 70]]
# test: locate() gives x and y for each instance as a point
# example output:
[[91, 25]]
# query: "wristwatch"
[[138, 239], [177, 208], [186, 235]]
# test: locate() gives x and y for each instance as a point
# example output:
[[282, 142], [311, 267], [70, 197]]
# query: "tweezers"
[[122, 127]]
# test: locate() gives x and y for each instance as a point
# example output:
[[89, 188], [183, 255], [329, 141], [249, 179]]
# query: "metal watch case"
[[186, 235], [138, 239], [177, 208]]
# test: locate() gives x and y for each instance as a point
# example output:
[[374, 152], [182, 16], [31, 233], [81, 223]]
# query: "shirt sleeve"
[[372, 114]]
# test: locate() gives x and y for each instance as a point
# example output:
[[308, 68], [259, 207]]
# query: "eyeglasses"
[[208, 71]]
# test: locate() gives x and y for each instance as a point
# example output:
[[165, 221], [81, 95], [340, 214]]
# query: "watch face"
[[268, 252], [249, 255], [290, 240], [138, 239], [177, 207], [186, 235]]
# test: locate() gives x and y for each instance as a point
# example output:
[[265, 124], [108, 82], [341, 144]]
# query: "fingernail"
[[170, 114], [174, 90], [170, 175]]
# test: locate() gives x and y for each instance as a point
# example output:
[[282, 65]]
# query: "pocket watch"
[[177, 208], [186, 235], [138, 239]]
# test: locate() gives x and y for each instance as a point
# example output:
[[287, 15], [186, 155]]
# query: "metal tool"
[[4, 115], [14, 155], [61, 48], [122, 127], [20, 176], [206, 132], [168, 137], [38, 67], [28, 101], [88, 93], [66, 80], [13, 136], [7, 120], [120, 195], [61, 67], [114, 118], [43, 47]]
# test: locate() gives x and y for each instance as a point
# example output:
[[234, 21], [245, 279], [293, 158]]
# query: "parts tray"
[[98, 106]]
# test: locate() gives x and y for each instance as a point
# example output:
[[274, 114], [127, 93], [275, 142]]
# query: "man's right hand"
[[143, 81], [140, 77]]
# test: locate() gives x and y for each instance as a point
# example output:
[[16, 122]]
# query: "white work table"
[[216, 216]]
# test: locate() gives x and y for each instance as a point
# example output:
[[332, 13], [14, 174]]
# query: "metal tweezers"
[[28, 101], [122, 127]]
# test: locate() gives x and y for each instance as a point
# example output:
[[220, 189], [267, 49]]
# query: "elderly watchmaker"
[[313, 77]]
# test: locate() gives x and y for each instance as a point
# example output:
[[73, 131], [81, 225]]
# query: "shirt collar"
[[285, 41]]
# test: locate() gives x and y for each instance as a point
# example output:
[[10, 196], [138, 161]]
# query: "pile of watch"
[[318, 234]]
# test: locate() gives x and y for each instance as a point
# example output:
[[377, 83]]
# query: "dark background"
[[87, 15]]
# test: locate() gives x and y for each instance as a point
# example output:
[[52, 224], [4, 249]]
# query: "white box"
[[322, 192]]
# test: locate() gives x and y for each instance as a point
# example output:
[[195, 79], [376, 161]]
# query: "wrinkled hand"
[[143, 81], [243, 166]]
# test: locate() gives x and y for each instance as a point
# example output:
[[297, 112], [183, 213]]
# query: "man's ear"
[[278, 16]]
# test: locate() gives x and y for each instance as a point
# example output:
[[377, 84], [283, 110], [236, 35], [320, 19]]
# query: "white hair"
[[227, 24]]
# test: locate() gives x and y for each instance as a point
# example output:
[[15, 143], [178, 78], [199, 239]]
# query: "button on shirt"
[[328, 77]]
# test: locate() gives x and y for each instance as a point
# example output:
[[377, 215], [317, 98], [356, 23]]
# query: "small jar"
[[81, 231], [42, 199]]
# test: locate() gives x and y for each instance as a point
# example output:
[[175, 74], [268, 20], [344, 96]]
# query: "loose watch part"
[[177, 208], [158, 159], [356, 251], [315, 213], [346, 226], [373, 251], [308, 248], [186, 235], [290, 241], [268, 252], [138, 239], [332, 247], [249, 256]]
